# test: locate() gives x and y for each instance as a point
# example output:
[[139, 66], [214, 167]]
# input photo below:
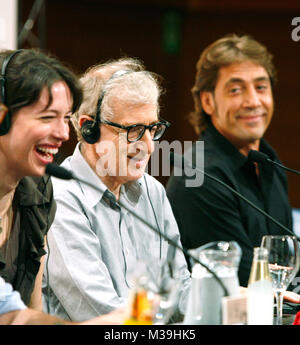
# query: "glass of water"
[[284, 262]]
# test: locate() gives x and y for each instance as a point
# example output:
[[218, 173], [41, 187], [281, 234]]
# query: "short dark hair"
[[29, 72], [224, 52]]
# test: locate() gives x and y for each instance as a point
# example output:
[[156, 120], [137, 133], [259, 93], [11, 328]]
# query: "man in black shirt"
[[233, 109]]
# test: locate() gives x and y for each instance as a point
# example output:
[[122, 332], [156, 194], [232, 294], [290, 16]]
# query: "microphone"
[[259, 157], [57, 171], [179, 161]]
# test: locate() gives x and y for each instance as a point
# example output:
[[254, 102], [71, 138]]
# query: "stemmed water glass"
[[284, 262]]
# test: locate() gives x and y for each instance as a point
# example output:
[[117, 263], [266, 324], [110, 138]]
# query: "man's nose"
[[147, 139], [251, 98]]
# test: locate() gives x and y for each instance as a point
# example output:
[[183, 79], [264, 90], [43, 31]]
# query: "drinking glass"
[[167, 288], [159, 283], [284, 261]]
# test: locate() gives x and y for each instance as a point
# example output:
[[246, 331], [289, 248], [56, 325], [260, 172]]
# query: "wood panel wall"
[[83, 33]]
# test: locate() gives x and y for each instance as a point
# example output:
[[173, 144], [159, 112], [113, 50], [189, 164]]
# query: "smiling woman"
[[38, 95], [37, 132]]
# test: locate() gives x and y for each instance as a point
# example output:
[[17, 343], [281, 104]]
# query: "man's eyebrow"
[[264, 78], [133, 124], [240, 80]]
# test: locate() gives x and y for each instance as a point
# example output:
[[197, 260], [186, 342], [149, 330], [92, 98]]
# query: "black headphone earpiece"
[[5, 114], [90, 131]]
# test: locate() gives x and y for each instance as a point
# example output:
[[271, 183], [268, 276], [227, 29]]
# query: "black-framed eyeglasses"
[[136, 132]]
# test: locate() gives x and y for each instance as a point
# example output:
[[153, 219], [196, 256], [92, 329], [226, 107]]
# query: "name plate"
[[234, 310]]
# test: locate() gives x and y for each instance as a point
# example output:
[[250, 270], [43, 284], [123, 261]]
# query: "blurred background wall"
[[168, 36]]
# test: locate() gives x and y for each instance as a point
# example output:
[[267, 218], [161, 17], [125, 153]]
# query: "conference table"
[[289, 313]]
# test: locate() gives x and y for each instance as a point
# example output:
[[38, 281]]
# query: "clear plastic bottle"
[[260, 292]]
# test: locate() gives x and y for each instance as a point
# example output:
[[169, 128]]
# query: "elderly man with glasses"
[[95, 242]]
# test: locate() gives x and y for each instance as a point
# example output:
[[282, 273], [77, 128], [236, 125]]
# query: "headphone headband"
[[90, 130], [5, 63], [117, 74], [5, 116]]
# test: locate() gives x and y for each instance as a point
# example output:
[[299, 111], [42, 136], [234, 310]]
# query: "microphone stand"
[[283, 167], [258, 156], [178, 160]]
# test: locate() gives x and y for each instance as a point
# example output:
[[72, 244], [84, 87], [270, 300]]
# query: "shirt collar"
[[130, 192], [83, 171], [230, 152], [267, 149]]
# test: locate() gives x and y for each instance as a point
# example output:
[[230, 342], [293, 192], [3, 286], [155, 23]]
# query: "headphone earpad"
[[5, 114], [5, 119], [90, 132]]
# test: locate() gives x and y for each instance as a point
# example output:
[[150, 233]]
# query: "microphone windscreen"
[[257, 156], [55, 170]]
